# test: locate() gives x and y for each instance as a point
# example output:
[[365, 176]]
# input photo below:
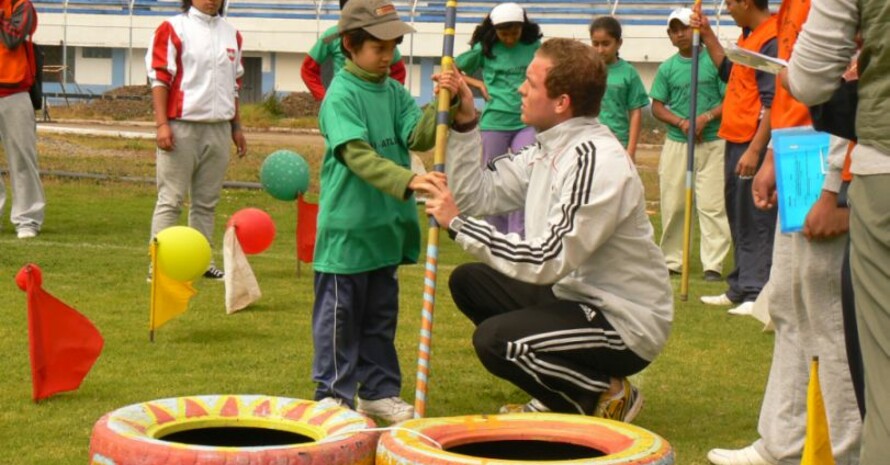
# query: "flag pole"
[[432, 247], [690, 160], [153, 252]]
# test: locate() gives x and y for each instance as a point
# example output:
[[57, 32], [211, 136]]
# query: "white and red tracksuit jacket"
[[198, 58]]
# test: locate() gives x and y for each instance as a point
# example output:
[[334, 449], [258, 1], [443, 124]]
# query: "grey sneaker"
[[622, 407], [214, 273], [531, 406], [391, 409]]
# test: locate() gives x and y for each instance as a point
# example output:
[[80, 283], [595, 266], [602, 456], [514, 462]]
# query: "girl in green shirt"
[[502, 46], [625, 95]]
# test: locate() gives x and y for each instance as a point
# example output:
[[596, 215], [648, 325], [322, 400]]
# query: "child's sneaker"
[[624, 406], [531, 406], [214, 273], [391, 409]]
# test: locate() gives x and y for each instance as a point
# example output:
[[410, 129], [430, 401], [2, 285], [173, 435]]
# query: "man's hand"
[[439, 203], [164, 137], [826, 220], [240, 141], [764, 185], [698, 20], [747, 165], [453, 81]]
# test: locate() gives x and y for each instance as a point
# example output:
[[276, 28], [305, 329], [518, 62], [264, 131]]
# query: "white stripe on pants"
[[18, 131], [805, 307], [196, 166], [708, 183]]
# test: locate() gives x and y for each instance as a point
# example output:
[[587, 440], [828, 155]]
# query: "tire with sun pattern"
[[302, 432], [432, 441]]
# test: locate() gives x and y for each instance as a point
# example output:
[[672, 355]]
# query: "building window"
[[96, 52]]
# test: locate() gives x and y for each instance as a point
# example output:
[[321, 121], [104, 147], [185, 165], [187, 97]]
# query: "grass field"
[[704, 391]]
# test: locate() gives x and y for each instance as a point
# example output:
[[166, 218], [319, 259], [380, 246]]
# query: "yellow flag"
[[169, 298], [817, 445]]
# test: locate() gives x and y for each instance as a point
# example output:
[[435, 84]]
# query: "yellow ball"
[[183, 253]]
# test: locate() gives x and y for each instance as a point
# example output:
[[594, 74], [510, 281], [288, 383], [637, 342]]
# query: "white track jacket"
[[587, 232], [198, 58]]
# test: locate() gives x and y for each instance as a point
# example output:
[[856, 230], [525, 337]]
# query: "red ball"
[[254, 228]]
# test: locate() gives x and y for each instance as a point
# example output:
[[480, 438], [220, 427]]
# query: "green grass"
[[704, 391]]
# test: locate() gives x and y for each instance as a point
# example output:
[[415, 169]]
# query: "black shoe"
[[713, 276], [214, 273], [674, 272]]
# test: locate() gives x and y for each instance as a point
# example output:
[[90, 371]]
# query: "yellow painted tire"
[[130, 435], [623, 444]]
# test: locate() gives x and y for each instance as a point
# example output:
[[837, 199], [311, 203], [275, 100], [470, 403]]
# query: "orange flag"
[[64, 344], [169, 297], [817, 444]]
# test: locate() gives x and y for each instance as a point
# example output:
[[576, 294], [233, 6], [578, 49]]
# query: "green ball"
[[284, 175]]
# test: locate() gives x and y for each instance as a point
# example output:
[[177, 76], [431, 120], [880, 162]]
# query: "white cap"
[[507, 13], [683, 14]]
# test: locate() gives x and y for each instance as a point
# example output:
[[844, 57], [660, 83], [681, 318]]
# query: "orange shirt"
[[786, 111], [741, 106], [17, 71]]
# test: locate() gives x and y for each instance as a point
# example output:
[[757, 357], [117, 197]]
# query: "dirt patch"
[[299, 105]]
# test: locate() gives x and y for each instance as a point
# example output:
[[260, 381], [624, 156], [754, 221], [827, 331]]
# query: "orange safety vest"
[[17, 72], [741, 106], [787, 112]]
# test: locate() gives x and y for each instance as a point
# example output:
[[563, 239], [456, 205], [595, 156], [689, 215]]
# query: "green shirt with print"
[[624, 92], [361, 228], [323, 51], [672, 86], [502, 75]]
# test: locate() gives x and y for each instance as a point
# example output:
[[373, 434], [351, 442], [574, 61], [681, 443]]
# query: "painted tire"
[[129, 435], [623, 444]]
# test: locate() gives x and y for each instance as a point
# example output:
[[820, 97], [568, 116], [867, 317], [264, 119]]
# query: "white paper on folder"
[[754, 60]]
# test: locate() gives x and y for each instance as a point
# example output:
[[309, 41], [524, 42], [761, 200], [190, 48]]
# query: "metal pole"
[[690, 160], [411, 47], [130, 49], [65, 46], [432, 248]]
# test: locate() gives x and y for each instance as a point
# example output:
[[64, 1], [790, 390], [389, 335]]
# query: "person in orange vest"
[[18, 21], [746, 129]]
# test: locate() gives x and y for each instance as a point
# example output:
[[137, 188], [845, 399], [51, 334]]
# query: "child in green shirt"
[[625, 94], [367, 222]]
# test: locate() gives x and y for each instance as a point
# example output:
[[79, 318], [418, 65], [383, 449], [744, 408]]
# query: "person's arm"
[[382, 173], [663, 114], [310, 71], [823, 50], [636, 123], [237, 132], [766, 87], [705, 118], [710, 40], [161, 71], [21, 23], [826, 220], [164, 136]]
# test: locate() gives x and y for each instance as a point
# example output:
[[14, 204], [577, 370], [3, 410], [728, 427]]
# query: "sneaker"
[[26, 233], [531, 406], [744, 309], [214, 273], [721, 299], [673, 273], [621, 407], [332, 402], [712, 276], [391, 409], [746, 456]]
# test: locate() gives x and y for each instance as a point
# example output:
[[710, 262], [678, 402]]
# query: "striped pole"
[[690, 160], [432, 245]]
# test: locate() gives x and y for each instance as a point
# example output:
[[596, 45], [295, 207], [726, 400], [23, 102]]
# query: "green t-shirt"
[[361, 228], [502, 75], [624, 92], [672, 87], [323, 51]]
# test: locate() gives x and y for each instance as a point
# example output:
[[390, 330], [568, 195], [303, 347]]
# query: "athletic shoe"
[[744, 309], [712, 276], [531, 406], [624, 406], [214, 273], [746, 456], [721, 299], [391, 409], [331, 402], [26, 233]]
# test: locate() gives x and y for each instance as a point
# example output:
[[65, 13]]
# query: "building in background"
[[95, 45]]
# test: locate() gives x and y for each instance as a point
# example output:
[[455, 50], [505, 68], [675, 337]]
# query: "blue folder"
[[801, 160]]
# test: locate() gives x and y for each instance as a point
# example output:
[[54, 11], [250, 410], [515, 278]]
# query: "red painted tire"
[[132, 435], [623, 444]]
